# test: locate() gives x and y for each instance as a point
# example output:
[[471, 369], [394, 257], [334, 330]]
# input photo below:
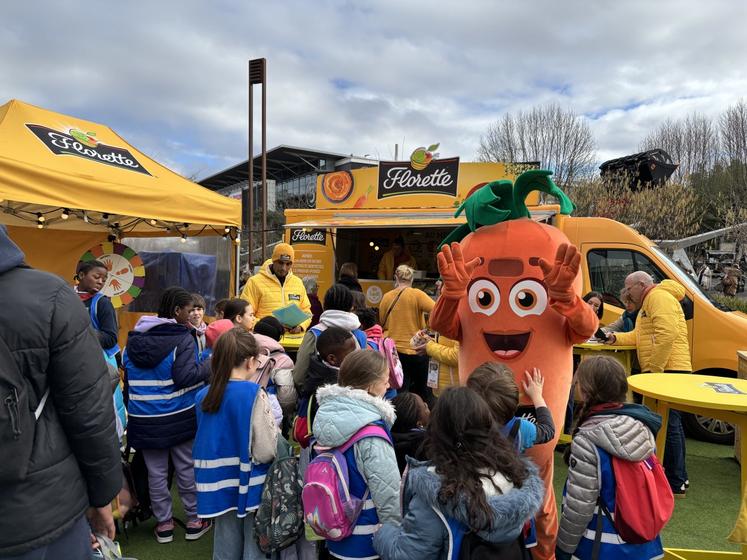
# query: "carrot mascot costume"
[[512, 294]]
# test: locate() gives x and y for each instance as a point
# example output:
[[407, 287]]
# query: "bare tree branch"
[[558, 138]]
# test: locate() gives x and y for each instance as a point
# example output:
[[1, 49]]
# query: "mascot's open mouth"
[[507, 346]]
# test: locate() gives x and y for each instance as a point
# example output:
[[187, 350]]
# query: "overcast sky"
[[359, 76]]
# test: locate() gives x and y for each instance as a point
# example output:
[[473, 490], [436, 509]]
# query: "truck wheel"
[[708, 429], [705, 428]]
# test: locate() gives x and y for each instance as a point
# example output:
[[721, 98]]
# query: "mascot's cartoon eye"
[[528, 297], [484, 297]]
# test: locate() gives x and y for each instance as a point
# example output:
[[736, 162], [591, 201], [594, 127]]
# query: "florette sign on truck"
[[360, 211]]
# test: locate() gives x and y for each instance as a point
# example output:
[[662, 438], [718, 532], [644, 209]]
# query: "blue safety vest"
[[226, 477], [612, 547], [152, 391], [114, 350]]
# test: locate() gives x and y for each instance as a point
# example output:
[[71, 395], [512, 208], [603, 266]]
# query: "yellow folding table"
[[623, 354], [718, 397]]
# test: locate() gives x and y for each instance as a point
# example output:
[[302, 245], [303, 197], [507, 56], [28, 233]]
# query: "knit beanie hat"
[[283, 252]]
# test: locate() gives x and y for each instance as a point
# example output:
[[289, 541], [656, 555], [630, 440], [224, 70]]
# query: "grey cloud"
[[171, 76]]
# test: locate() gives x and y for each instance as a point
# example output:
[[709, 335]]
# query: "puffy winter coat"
[[660, 333], [156, 343], [342, 412], [424, 532], [266, 294], [630, 435], [75, 459]]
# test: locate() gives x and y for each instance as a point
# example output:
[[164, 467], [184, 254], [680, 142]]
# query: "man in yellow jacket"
[[661, 341], [275, 286]]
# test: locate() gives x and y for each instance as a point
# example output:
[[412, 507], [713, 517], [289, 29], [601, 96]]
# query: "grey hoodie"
[[342, 412], [621, 436]]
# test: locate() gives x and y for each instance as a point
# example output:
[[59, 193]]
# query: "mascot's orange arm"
[[581, 321], [444, 318]]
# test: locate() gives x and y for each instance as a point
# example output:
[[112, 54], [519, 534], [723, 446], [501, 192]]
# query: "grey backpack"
[[278, 522]]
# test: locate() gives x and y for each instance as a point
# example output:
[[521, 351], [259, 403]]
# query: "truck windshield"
[[686, 279]]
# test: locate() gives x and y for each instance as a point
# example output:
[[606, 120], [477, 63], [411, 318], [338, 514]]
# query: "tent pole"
[[264, 160], [249, 217]]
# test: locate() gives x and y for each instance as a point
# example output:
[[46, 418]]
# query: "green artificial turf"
[[706, 516], [702, 520]]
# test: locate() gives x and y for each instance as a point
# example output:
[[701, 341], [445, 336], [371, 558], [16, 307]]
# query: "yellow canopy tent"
[[85, 183]]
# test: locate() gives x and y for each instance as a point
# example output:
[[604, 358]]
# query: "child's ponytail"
[[231, 350]]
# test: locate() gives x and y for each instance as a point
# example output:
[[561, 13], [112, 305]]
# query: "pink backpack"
[[328, 506], [387, 347]]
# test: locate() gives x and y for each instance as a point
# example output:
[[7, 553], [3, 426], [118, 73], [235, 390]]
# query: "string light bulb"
[[153, 222], [227, 230], [237, 240], [376, 248], [40, 225], [65, 214], [40, 217], [371, 243], [104, 216], [184, 238]]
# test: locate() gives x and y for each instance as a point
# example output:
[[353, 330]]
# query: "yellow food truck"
[[359, 213]]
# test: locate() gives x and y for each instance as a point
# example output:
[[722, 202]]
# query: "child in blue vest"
[[162, 377], [91, 277], [475, 490], [338, 312], [345, 408], [606, 427], [495, 383], [234, 447]]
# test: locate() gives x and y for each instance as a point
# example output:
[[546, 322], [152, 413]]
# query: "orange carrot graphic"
[[363, 198]]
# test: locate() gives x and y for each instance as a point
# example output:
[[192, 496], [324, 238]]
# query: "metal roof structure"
[[284, 163]]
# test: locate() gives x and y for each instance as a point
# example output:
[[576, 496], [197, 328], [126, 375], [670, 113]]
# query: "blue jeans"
[[75, 544], [233, 538], [674, 451]]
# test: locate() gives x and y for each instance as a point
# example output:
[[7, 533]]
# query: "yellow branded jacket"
[[264, 292], [660, 333], [446, 352]]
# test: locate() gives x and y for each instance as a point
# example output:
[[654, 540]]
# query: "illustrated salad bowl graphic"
[[422, 156], [337, 186], [85, 138]]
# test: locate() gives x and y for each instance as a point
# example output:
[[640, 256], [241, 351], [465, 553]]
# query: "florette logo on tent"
[[75, 142]]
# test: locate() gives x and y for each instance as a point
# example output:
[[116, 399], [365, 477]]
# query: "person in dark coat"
[[74, 466], [349, 277], [408, 431], [312, 289]]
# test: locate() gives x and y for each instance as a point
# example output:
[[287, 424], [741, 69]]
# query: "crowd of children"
[[215, 401]]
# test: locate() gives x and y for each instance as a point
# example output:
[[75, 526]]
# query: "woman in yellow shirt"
[[402, 313]]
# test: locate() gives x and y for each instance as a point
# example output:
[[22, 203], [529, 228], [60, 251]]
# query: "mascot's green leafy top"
[[503, 200]]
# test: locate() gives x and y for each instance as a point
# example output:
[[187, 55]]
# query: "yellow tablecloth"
[[699, 394]]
